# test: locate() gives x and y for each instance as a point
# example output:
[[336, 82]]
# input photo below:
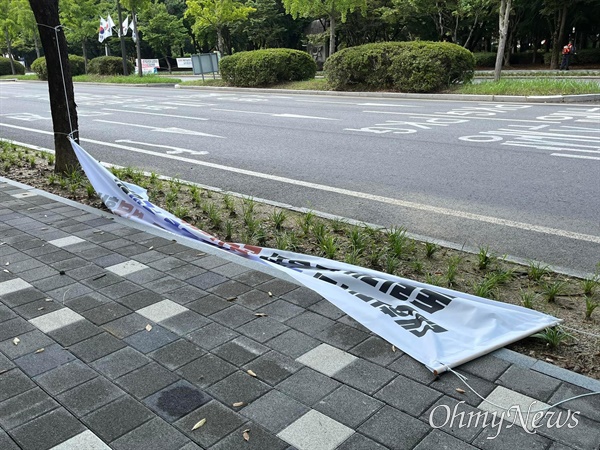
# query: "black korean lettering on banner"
[[431, 301], [404, 315]]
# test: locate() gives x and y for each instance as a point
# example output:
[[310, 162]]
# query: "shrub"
[[417, 66], [5, 67], [267, 67], [485, 59], [587, 56], [108, 65], [76, 63], [40, 69]]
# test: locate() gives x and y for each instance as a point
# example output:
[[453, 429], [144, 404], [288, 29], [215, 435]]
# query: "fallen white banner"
[[440, 327]]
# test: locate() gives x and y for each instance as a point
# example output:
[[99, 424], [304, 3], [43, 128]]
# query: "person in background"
[[567, 51]]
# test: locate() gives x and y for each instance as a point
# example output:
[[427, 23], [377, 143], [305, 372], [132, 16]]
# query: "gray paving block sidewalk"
[[115, 336]]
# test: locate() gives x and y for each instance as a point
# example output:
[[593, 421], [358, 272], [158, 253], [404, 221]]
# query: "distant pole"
[[106, 49], [123, 50]]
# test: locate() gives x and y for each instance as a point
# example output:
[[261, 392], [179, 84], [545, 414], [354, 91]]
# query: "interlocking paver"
[[310, 323], [240, 351], [140, 299], [207, 280], [24, 407], [408, 395], [528, 382], [162, 310], [234, 316], [147, 341], [89, 396], [452, 417], [229, 288], [348, 406], [411, 368], [66, 241], [364, 376], [65, 377], [86, 439], [394, 429], [439, 439], [377, 350], [96, 347], [260, 439], [185, 322], [208, 304], [37, 308], [487, 367], [43, 360], [447, 383], [51, 429], [326, 359], [126, 325], [254, 299], [126, 268], [14, 327], [302, 296], [177, 400], [588, 406], [238, 387], [155, 434], [23, 296], [6, 443], [74, 333], [14, 285], [307, 386], [106, 312], [293, 343], [147, 380], [273, 367], [220, 422], [211, 336], [177, 354], [120, 362], [274, 411], [56, 319], [327, 309], [315, 431], [342, 336], [206, 370], [262, 329]]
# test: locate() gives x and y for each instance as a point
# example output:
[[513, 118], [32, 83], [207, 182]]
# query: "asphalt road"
[[521, 178]]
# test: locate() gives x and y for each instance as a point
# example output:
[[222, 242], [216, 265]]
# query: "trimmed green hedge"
[[267, 67], [76, 63], [418, 66], [5, 67], [485, 59], [109, 65], [587, 56]]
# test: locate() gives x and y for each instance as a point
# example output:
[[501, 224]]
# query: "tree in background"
[[503, 20], [332, 9], [136, 6], [9, 27], [162, 31], [60, 83], [28, 28], [81, 19], [216, 14]]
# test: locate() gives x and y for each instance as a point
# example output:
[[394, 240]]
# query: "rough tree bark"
[[503, 18], [62, 107]]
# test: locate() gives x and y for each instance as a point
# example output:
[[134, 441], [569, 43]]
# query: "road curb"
[[580, 98]]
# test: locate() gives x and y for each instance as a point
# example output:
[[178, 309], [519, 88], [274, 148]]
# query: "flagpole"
[[123, 51]]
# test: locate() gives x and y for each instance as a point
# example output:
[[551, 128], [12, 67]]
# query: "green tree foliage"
[[135, 6], [9, 27], [162, 30], [332, 9], [216, 15]]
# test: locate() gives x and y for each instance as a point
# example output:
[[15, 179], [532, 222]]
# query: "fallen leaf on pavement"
[[16, 341], [270, 294], [40, 350], [251, 373], [238, 404], [260, 315], [246, 434], [199, 424], [148, 327], [460, 391], [394, 348]]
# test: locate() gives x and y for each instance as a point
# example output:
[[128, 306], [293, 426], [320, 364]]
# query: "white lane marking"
[[154, 114], [292, 116], [173, 151], [553, 148], [575, 156], [362, 195], [470, 117], [187, 104], [162, 130], [358, 104]]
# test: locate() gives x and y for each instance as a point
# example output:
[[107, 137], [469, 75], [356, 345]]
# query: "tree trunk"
[[168, 63], [62, 99], [36, 44], [220, 41], [85, 59], [9, 50], [558, 36], [503, 20], [122, 38], [137, 43], [331, 35]]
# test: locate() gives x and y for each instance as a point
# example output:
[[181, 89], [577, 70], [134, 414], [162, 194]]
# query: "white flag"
[[133, 35], [109, 26], [102, 31], [125, 26]]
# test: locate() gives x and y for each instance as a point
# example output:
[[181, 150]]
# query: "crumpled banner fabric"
[[439, 327]]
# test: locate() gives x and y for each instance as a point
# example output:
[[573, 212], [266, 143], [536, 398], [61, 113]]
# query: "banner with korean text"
[[439, 327]]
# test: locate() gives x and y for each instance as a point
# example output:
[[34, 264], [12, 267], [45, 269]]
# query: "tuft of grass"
[[417, 266], [392, 263], [90, 191], [430, 249], [552, 336], [590, 306], [228, 229], [527, 298], [329, 246], [484, 257], [214, 216], [452, 271], [553, 290], [398, 241], [590, 284], [278, 217], [536, 270]]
